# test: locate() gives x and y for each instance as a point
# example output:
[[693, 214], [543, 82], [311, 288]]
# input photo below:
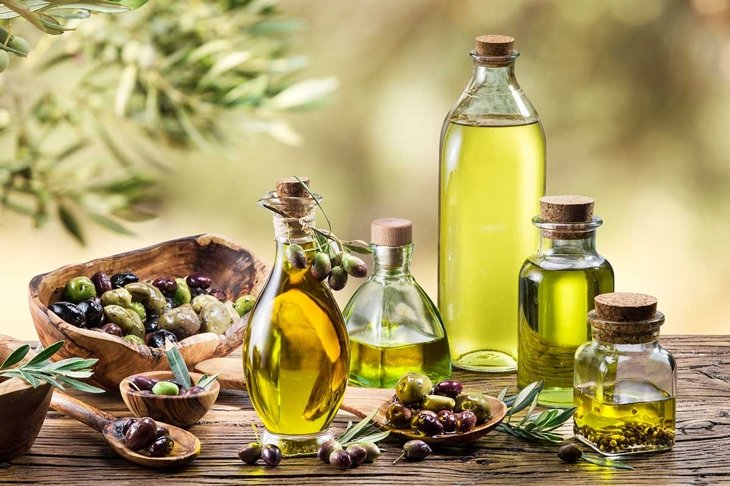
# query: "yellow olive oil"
[[492, 177], [380, 366], [643, 421], [552, 324], [296, 352]]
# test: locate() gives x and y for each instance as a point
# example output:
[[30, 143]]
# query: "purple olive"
[[271, 455], [448, 388], [398, 415], [358, 454], [341, 459], [219, 294], [111, 328], [327, 448], [167, 285], [161, 446], [448, 420], [415, 450], [465, 421], [140, 434], [198, 281], [102, 282], [250, 453], [143, 382], [194, 390]]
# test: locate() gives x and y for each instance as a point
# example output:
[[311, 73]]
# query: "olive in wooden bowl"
[[234, 270], [22, 410], [155, 399]]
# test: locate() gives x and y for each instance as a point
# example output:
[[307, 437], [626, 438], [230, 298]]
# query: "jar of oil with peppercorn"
[[625, 381]]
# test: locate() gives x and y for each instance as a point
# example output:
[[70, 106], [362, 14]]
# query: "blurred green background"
[[634, 97]]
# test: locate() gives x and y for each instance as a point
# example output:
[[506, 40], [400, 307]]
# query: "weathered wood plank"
[[68, 453]]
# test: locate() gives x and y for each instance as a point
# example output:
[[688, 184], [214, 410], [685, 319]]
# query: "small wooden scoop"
[[360, 402], [187, 446]]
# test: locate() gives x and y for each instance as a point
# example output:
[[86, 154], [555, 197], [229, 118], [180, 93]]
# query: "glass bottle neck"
[[585, 245], [391, 261], [294, 230], [651, 343], [494, 76]]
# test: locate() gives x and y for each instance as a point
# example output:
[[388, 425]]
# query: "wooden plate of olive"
[[230, 269], [444, 414]]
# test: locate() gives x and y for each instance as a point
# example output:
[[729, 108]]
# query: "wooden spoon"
[[361, 402], [187, 446]]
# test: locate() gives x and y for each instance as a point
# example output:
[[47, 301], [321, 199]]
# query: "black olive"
[[157, 338], [448, 420], [122, 426], [162, 431], [69, 312], [150, 323], [142, 382], [250, 453], [570, 453], [93, 311], [196, 291], [416, 450], [197, 280], [162, 446], [102, 282], [448, 388], [123, 278], [271, 455]]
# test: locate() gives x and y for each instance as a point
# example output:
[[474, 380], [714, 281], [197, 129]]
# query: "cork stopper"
[[566, 209], [391, 232], [290, 187], [625, 318], [493, 45], [625, 306]]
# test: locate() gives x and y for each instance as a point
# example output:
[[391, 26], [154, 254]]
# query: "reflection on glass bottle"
[[492, 176], [556, 290], [394, 327], [296, 352]]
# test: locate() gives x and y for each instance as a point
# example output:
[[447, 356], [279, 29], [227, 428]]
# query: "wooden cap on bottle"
[[625, 307], [391, 232], [291, 187], [494, 45], [566, 209]]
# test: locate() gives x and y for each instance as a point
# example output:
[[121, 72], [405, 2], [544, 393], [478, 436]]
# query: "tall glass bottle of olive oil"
[[296, 353], [557, 286], [492, 176]]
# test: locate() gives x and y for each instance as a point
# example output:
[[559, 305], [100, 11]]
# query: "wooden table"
[[67, 452]]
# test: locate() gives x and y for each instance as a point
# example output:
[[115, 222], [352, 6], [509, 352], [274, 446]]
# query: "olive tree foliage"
[[115, 92]]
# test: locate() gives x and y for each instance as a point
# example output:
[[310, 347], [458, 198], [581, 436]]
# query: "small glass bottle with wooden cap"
[[625, 381], [556, 290], [393, 325]]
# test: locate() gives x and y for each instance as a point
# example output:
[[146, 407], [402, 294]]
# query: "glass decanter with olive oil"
[[557, 286], [492, 176], [394, 326], [296, 352]]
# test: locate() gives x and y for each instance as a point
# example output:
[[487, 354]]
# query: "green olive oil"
[[552, 324], [381, 365], [492, 177], [643, 421], [296, 354]]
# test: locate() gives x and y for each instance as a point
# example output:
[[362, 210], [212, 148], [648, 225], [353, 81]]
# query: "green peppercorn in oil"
[[492, 175], [625, 381]]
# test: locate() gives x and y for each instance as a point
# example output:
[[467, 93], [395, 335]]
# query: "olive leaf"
[[61, 374], [206, 380], [178, 367], [605, 461], [358, 246], [351, 433]]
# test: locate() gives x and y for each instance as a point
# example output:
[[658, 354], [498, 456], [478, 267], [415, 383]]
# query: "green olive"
[[134, 339], [148, 295], [127, 319], [214, 315], [78, 289], [436, 403], [413, 387], [244, 304], [21, 45], [475, 402], [139, 309], [165, 388], [182, 294], [120, 297], [181, 321]]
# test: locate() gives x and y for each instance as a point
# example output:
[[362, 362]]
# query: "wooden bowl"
[[22, 411], [231, 267], [182, 411], [498, 410]]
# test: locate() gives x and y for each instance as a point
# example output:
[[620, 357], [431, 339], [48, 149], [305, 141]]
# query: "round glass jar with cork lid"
[[625, 381]]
